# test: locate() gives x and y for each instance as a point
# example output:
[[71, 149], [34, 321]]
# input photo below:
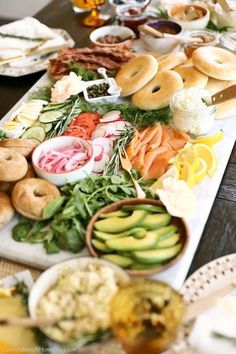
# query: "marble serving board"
[[205, 192]]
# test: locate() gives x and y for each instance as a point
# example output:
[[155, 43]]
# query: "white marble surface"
[[205, 194]]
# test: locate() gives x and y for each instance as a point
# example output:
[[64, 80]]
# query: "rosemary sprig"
[[35, 39], [112, 167]]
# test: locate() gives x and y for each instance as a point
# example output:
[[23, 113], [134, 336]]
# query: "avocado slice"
[[158, 255], [143, 266], [137, 232], [147, 207], [168, 242], [101, 246], [118, 213], [155, 221], [121, 261], [131, 243], [114, 224], [167, 231]]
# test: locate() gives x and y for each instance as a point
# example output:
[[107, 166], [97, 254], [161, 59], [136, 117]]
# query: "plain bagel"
[[215, 62], [171, 61], [156, 94], [6, 209], [191, 76], [25, 147], [31, 195], [136, 73], [13, 166]]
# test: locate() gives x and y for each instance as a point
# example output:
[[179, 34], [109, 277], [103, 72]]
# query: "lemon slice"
[[209, 140], [190, 156], [206, 153], [186, 172], [201, 172]]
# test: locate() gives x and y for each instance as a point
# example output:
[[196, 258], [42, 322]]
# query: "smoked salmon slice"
[[138, 161], [160, 165]]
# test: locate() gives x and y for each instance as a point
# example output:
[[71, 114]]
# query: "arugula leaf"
[[53, 207]]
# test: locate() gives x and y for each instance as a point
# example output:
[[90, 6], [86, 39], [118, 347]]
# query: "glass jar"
[[146, 315], [131, 16], [189, 112], [209, 38]]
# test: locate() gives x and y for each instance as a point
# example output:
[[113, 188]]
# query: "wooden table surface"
[[219, 237]]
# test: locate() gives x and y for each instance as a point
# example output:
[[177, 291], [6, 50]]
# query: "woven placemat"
[[9, 268]]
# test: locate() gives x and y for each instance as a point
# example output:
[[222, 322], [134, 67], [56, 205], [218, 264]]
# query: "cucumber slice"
[[48, 117], [46, 126], [34, 132]]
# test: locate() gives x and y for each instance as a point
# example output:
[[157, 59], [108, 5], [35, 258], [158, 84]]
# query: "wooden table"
[[219, 237]]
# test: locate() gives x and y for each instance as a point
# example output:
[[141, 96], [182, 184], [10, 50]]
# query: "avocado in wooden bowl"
[[138, 235]]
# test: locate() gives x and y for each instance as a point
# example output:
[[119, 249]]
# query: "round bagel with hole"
[[191, 76], [136, 73], [215, 62], [156, 94]]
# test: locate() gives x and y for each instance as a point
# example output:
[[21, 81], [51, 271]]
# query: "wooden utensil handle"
[[224, 95]]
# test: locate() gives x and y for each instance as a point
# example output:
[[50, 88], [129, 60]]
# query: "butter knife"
[[31, 53], [221, 96]]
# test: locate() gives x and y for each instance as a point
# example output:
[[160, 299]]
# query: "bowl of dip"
[[162, 45], [190, 16], [190, 113], [64, 159], [112, 36], [206, 37]]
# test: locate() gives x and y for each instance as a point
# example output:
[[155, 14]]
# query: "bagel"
[[215, 62], [136, 73], [8, 186], [156, 94], [13, 166], [191, 76], [25, 147], [171, 61], [31, 195], [6, 209]]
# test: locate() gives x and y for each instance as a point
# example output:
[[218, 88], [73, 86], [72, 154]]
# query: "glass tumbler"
[[146, 315]]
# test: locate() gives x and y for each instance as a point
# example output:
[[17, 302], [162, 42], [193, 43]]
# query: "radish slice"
[[99, 133], [98, 152], [106, 143], [99, 165], [110, 116]]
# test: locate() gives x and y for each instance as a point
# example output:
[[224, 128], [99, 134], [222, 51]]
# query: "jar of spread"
[[228, 41], [190, 113], [204, 38], [131, 16]]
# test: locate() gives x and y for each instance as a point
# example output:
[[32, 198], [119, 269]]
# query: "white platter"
[[40, 63], [205, 192]]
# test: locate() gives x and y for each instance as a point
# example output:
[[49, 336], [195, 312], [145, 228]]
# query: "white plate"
[[207, 279], [37, 64]]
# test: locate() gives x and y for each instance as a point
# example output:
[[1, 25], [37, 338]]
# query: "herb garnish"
[[2, 135], [212, 26], [70, 213], [23, 291], [86, 74]]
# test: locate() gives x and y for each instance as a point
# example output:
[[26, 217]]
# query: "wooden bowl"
[[179, 222]]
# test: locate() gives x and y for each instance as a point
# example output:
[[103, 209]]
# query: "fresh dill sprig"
[[42, 93]]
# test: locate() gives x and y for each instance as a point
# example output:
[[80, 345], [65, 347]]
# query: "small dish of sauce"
[[203, 38], [131, 16]]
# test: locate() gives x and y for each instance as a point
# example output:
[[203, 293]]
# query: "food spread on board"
[[74, 155]]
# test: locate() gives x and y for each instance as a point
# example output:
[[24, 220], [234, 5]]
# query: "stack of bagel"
[[150, 79], [19, 189]]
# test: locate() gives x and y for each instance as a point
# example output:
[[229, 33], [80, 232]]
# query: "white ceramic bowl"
[[162, 45], [121, 31], [47, 279], [199, 23], [59, 179], [113, 5], [110, 98]]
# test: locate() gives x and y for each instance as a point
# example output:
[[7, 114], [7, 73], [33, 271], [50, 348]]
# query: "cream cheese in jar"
[[190, 113]]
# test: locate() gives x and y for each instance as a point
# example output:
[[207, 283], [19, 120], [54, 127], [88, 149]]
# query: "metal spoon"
[[113, 89]]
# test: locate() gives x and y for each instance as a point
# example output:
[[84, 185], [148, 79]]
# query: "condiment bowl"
[[119, 31], [59, 179], [199, 23], [179, 222], [111, 98], [162, 45], [48, 279]]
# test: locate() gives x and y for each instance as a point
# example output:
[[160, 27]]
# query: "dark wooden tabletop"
[[219, 236]]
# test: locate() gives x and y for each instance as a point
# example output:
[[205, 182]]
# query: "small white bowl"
[[59, 179], [47, 279], [199, 23], [110, 98], [121, 31]]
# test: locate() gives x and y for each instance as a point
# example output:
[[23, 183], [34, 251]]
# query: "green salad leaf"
[[69, 214], [86, 74]]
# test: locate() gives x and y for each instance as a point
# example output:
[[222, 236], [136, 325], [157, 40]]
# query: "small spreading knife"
[[221, 96]]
